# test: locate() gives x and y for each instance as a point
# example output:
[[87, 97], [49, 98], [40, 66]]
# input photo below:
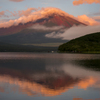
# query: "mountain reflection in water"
[[47, 74]]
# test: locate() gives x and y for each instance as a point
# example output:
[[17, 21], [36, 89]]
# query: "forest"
[[86, 44]]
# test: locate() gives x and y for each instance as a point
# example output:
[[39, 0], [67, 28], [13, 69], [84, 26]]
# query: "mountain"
[[85, 44], [52, 20], [34, 32]]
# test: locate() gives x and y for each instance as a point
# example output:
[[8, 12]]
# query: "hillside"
[[85, 44]]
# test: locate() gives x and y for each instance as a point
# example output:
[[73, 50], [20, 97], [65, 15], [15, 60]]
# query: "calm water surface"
[[46, 76]]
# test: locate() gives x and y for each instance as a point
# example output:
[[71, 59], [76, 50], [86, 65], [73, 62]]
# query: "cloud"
[[12, 13], [16, 0], [2, 13], [97, 18], [87, 20], [96, 14], [42, 27], [26, 12], [28, 15], [74, 32], [22, 12], [4, 20], [78, 2]]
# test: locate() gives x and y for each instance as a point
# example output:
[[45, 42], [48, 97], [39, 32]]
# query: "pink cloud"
[[26, 12], [87, 20], [16, 0], [22, 12], [78, 2], [12, 13], [2, 13]]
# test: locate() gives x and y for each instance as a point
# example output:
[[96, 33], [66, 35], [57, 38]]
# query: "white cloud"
[[74, 32]]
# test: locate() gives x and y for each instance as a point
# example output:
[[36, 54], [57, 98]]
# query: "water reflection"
[[48, 74], [93, 64]]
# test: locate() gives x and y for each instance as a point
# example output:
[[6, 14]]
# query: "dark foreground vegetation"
[[85, 44]]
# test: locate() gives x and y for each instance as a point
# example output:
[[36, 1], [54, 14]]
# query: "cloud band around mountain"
[[74, 32]]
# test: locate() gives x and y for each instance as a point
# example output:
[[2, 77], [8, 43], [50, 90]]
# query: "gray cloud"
[[97, 18], [95, 14]]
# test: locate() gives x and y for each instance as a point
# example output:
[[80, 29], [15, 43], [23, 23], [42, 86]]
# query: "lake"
[[49, 76]]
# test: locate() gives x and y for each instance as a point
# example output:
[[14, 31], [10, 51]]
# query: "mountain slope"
[[29, 36], [85, 44]]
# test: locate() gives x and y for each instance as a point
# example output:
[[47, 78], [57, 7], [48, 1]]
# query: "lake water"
[[49, 76]]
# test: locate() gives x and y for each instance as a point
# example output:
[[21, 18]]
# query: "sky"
[[91, 8]]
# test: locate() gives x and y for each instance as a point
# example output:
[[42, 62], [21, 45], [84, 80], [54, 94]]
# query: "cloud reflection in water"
[[38, 76]]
